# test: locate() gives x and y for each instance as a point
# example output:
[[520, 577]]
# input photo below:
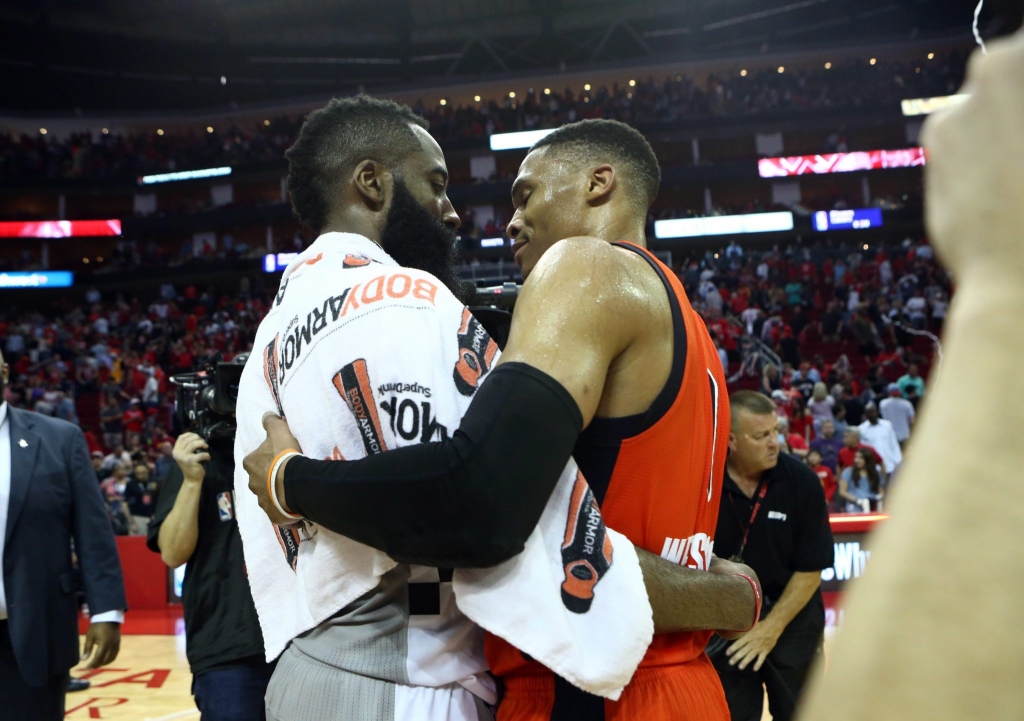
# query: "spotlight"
[[782, 69], [266, 122], [512, 94], [587, 86], [743, 73], [632, 83], [159, 131], [105, 131], [42, 131], [873, 60], [443, 101], [476, 98], [223, 80], [931, 56], [209, 128], [828, 66], [85, 260], [547, 91]]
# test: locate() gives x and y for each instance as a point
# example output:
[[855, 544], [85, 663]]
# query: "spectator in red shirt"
[[133, 419], [801, 420], [828, 479], [796, 443], [852, 444]]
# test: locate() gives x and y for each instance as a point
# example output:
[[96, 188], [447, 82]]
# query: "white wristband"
[[273, 486]]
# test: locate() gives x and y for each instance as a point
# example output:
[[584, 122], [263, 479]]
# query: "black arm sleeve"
[[467, 502]]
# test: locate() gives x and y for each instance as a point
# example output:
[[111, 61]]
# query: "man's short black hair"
[[334, 139], [620, 145]]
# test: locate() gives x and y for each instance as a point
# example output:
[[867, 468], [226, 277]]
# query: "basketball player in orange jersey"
[[601, 328]]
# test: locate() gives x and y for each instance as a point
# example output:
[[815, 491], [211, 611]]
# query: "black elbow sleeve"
[[469, 501]]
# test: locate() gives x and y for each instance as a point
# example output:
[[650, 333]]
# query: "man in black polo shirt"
[[195, 523], [773, 516]]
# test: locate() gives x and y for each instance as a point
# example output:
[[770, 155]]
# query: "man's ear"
[[600, 183], [732, 442], [372, 182]]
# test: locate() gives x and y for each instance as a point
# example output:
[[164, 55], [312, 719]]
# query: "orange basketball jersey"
[[657, 477]]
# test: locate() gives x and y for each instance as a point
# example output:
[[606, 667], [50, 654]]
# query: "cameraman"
[[195, 523]]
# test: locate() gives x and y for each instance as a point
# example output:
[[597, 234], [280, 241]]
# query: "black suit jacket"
[[54, 497]]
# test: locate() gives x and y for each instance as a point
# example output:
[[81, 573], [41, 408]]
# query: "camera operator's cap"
[[894, 389]]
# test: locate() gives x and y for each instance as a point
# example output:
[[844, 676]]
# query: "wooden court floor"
[[149, 681]]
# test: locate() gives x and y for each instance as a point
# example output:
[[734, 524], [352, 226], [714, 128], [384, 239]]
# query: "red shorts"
[[688, 691]]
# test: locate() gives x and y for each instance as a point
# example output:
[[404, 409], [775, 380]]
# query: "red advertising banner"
[[60, 228], [839, 162]]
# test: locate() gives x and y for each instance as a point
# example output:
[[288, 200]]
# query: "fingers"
[[90, 643], [268, 420], [105, 654]]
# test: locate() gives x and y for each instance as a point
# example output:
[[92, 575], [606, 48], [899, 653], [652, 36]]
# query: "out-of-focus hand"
[[189, 453], [724, 567], [974, 178], [754, 646], [105, 638], [257, 466]]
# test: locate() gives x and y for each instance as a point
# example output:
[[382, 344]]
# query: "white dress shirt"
[[882, 437], [116, 616]]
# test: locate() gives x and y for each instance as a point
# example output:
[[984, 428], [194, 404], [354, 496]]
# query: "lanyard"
[[762, 490]]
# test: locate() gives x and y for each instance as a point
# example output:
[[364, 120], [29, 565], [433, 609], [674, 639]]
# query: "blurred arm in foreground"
[[932, 630]]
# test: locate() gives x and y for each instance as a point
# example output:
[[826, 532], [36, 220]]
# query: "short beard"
[[416, 239]]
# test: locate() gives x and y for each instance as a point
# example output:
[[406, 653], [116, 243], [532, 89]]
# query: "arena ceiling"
[[141, 55]]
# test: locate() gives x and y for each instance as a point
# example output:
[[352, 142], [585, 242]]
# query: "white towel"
[[347, 329]]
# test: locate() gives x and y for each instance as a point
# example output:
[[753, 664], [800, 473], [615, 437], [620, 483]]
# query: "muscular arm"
[[685, 599], [473, 499], [180, 530], [795, 596]]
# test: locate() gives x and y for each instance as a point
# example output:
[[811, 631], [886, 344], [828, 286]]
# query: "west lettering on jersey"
[[693, 552]]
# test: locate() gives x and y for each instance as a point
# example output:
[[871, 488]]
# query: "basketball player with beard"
[[603, 339]]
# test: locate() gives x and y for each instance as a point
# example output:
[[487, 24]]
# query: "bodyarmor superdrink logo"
[[476, 354], [587, 550], [353, 384], [288, 537], [270, 373]]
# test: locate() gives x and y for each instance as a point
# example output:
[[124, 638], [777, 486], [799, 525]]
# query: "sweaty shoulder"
[[603, 272]]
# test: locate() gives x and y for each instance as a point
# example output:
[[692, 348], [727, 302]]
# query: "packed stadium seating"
[[183, 278]]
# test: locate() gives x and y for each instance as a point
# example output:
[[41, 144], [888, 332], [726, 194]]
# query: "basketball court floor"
[[151, 681]]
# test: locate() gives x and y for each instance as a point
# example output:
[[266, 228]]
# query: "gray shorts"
[[304, 689]]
